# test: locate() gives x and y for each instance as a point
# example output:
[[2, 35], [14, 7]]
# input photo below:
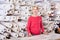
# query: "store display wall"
[[14, 15]]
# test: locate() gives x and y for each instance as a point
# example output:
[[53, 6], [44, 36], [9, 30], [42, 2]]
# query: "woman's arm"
[[28, 26], [42, 28]]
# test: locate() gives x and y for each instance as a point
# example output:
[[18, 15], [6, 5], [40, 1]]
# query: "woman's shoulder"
[[40, 16], [29, 17]]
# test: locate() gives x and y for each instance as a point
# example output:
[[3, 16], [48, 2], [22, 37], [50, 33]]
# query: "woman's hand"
[[29, 35], [46, 33]]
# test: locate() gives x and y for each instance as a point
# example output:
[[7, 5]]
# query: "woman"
[[34, 25]]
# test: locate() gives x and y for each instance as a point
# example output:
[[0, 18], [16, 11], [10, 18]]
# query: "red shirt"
[[35, 25]]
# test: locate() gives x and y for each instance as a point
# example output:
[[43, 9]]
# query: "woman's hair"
[[35, 7]]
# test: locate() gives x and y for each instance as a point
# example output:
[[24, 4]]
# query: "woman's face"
[[35, 10]]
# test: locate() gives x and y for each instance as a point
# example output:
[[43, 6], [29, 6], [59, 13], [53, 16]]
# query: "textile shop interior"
[[15, 13]]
